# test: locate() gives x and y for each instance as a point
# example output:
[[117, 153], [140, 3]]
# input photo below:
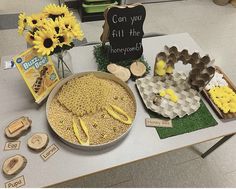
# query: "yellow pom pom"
[[169, 70], [233, 110], [232, 105], [161, 64], [225, 110], [224, 97], [160, 68]]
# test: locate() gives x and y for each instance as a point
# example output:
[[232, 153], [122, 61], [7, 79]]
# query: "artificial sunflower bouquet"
[[52, 31]]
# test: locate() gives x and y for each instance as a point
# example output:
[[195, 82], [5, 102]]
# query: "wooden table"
[[69, 163]]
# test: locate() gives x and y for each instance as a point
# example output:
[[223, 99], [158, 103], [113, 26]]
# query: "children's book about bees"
[[38, 72]]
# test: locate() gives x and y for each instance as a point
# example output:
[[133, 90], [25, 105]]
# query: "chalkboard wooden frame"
[[125, 36]]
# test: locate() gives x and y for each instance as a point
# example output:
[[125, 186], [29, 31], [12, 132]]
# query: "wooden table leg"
[[219, 143]]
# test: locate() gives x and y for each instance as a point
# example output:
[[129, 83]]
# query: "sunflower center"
[[54, 16], [67, 25], [61, 39], [25, 20], [57, 29], [32, 37], [35, 29], [48, 43], [34, 21]]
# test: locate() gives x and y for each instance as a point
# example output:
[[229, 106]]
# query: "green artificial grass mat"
[[101, 55], [200, 119]]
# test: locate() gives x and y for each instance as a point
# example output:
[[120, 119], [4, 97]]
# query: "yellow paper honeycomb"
[[84, 95]]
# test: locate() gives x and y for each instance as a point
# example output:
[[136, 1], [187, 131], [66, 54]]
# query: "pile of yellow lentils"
[[224, 97]]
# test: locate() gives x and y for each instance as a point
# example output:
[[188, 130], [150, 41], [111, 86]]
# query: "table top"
[[69, 163]]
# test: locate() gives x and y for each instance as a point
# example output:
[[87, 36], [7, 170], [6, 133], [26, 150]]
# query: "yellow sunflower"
[[45, 41], [34, 20], [54, 11], [22, 23], [41, 16], [64, 39], [29, 37], [54, 25], [72, 27], [77, 32]]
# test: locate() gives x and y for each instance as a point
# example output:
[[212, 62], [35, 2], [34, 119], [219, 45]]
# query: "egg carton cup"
[[188, 98], [202, 67], [216, 81]]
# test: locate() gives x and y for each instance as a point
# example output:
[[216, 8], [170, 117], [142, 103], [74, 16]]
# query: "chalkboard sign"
[[125, 32]]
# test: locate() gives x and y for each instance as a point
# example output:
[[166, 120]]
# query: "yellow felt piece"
[[76, 131], [174, 98], [114, 111], [169, 91], [172, 94], [162, 93]]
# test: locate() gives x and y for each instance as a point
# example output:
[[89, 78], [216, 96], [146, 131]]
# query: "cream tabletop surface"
[[69, 163]]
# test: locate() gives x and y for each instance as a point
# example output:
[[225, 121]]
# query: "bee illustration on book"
[[39, 84]]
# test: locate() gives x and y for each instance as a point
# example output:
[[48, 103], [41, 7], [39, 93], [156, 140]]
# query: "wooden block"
[[155, 122], [15, 126]]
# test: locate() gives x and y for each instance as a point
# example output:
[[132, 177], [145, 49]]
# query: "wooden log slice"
[[14, 165], [38, 141], [17, 128], [119, 71], [138, 69]]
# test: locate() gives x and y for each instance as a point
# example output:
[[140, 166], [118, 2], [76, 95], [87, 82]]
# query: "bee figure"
[[39, 83]]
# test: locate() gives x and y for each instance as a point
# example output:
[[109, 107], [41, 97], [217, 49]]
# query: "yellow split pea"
[[89, 98]]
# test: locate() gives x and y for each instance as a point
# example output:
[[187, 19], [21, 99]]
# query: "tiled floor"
[[213, 28]]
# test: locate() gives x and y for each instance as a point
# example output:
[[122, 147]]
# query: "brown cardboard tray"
[[219, 112]]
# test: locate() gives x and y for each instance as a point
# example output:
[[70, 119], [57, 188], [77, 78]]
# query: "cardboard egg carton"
[[202, 69], [188, 98]]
